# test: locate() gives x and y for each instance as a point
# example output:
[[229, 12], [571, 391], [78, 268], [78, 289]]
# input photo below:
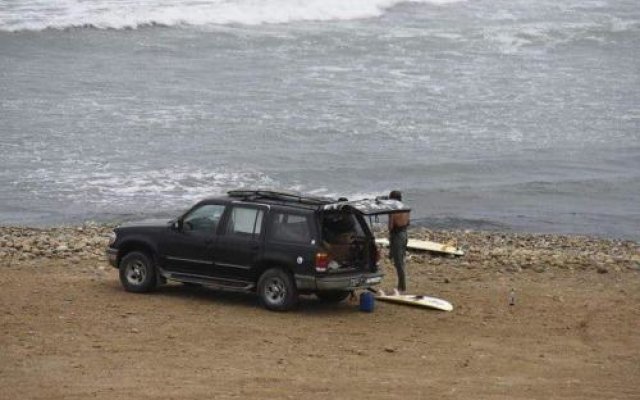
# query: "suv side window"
[[291, 228], [204, 218], [245, 221]]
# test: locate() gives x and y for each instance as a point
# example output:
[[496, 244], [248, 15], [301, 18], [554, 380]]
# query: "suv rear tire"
[[277, 290], [332, 296], [137, 272]]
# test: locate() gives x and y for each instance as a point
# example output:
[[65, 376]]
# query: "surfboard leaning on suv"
[[277, 244]]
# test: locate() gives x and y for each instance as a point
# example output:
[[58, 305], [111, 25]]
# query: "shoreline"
[[436, 224], [489, 250]]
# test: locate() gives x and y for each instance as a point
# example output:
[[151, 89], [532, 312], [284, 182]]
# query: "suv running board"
[[215, 283]]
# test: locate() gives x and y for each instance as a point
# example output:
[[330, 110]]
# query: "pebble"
[[514, 268], [539, 269]]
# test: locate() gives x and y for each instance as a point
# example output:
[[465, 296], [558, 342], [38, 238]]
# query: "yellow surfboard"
[[425, 245], [415, 300]]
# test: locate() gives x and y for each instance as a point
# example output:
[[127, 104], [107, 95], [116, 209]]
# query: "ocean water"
[[489, 114]]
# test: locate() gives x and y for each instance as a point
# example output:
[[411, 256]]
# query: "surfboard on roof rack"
[[375, 206], [280, 195]]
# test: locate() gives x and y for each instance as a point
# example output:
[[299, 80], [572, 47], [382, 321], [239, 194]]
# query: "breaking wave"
[[37, 15], [157, 188], [105, 190]]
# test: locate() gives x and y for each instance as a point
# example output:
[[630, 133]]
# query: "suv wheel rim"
[[275, 291], [136, 272]]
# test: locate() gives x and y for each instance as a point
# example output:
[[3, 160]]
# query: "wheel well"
[[128, 247], [268, 264]]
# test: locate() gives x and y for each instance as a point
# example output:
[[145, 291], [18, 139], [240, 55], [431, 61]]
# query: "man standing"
[[398, 223]]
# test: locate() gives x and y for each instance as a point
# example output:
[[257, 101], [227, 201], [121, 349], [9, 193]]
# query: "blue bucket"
[[367, 302]]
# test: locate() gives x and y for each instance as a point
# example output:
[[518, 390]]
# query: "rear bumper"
[[112, 256], [342, 282]]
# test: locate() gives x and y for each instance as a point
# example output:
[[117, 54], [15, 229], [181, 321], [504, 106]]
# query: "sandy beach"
[[68, 330]]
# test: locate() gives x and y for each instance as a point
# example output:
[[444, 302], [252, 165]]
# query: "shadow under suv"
[[277, 244]]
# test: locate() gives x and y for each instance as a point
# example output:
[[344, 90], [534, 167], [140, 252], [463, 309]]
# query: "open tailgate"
[[368, 206]]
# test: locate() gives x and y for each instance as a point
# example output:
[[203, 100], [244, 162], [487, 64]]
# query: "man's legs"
[[398, 247]]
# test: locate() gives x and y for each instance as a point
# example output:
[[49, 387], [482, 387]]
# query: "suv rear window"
[[245, 221], [292, 228]]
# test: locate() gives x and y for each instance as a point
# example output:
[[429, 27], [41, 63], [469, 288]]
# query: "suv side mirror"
[[176, 225]]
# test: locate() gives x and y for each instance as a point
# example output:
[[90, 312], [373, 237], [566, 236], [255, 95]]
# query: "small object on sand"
[[512, 297], [367, 302]]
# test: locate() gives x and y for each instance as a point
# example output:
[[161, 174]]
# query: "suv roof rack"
[[252, 194]]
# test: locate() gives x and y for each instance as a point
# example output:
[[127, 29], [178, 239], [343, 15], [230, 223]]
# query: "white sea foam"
[[169, 188], [38, 15], [513, 38], [148, 187]]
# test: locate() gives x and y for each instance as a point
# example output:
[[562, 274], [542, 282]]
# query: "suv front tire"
[[277, 290], [137, 272]]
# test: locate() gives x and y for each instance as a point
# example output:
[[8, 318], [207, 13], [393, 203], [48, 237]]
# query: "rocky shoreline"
[[22, 244], [515, 252], [503, 252]]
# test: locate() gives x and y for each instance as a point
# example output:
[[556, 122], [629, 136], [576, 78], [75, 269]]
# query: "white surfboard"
[[415, 300], [425, 245]]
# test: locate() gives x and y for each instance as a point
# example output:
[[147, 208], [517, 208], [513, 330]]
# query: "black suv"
[[277, 244]]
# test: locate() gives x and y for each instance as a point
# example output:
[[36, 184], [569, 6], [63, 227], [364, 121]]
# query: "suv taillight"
[[322, 261]]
